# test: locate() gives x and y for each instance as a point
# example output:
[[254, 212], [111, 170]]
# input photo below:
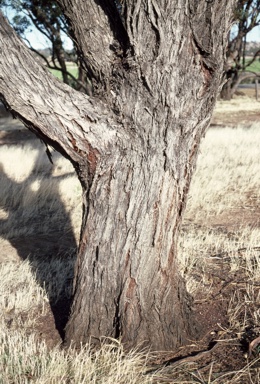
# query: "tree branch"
[[70, 121], [95, 39], [253, 58], [243, 76]]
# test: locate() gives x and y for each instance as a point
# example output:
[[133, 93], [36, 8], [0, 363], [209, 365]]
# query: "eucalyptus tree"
[[155, 68]]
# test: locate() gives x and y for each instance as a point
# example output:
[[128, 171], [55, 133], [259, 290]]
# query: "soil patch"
[[231, 219], [241, 110], [233, 119], [221, 353]]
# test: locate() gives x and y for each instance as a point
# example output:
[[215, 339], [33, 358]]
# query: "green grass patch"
[[254, 67], [73, 70]]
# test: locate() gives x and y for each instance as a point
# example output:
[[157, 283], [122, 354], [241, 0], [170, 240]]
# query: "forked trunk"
[[155, 69]]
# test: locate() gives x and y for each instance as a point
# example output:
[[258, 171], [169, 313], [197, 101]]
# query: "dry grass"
[[31, 188], [227, 176], [218, 223], [24, 360], [221, 216], [247, 103]]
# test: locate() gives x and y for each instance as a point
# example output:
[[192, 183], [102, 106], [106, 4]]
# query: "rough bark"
[[134, 145]]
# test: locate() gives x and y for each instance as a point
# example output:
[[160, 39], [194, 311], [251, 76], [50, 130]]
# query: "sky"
[[254, 35], [39, 41]]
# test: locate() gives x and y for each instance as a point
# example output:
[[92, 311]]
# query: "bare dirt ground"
[[242, 110], [217, 345]]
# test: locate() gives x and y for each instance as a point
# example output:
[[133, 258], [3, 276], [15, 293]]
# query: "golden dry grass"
[[31, 188], [246, 103], [221, 215], [25, 360], [227, 176]]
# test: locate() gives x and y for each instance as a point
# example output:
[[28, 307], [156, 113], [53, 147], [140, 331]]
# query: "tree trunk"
[[127, 259], [226, 91], [58, 52], [134, 145], [231, 86]]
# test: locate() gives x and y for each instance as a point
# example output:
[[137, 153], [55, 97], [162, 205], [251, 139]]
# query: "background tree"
[[48, 19], [155, 69], [247, 16]]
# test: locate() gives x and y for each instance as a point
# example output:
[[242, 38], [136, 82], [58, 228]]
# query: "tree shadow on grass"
[[38, 226]]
